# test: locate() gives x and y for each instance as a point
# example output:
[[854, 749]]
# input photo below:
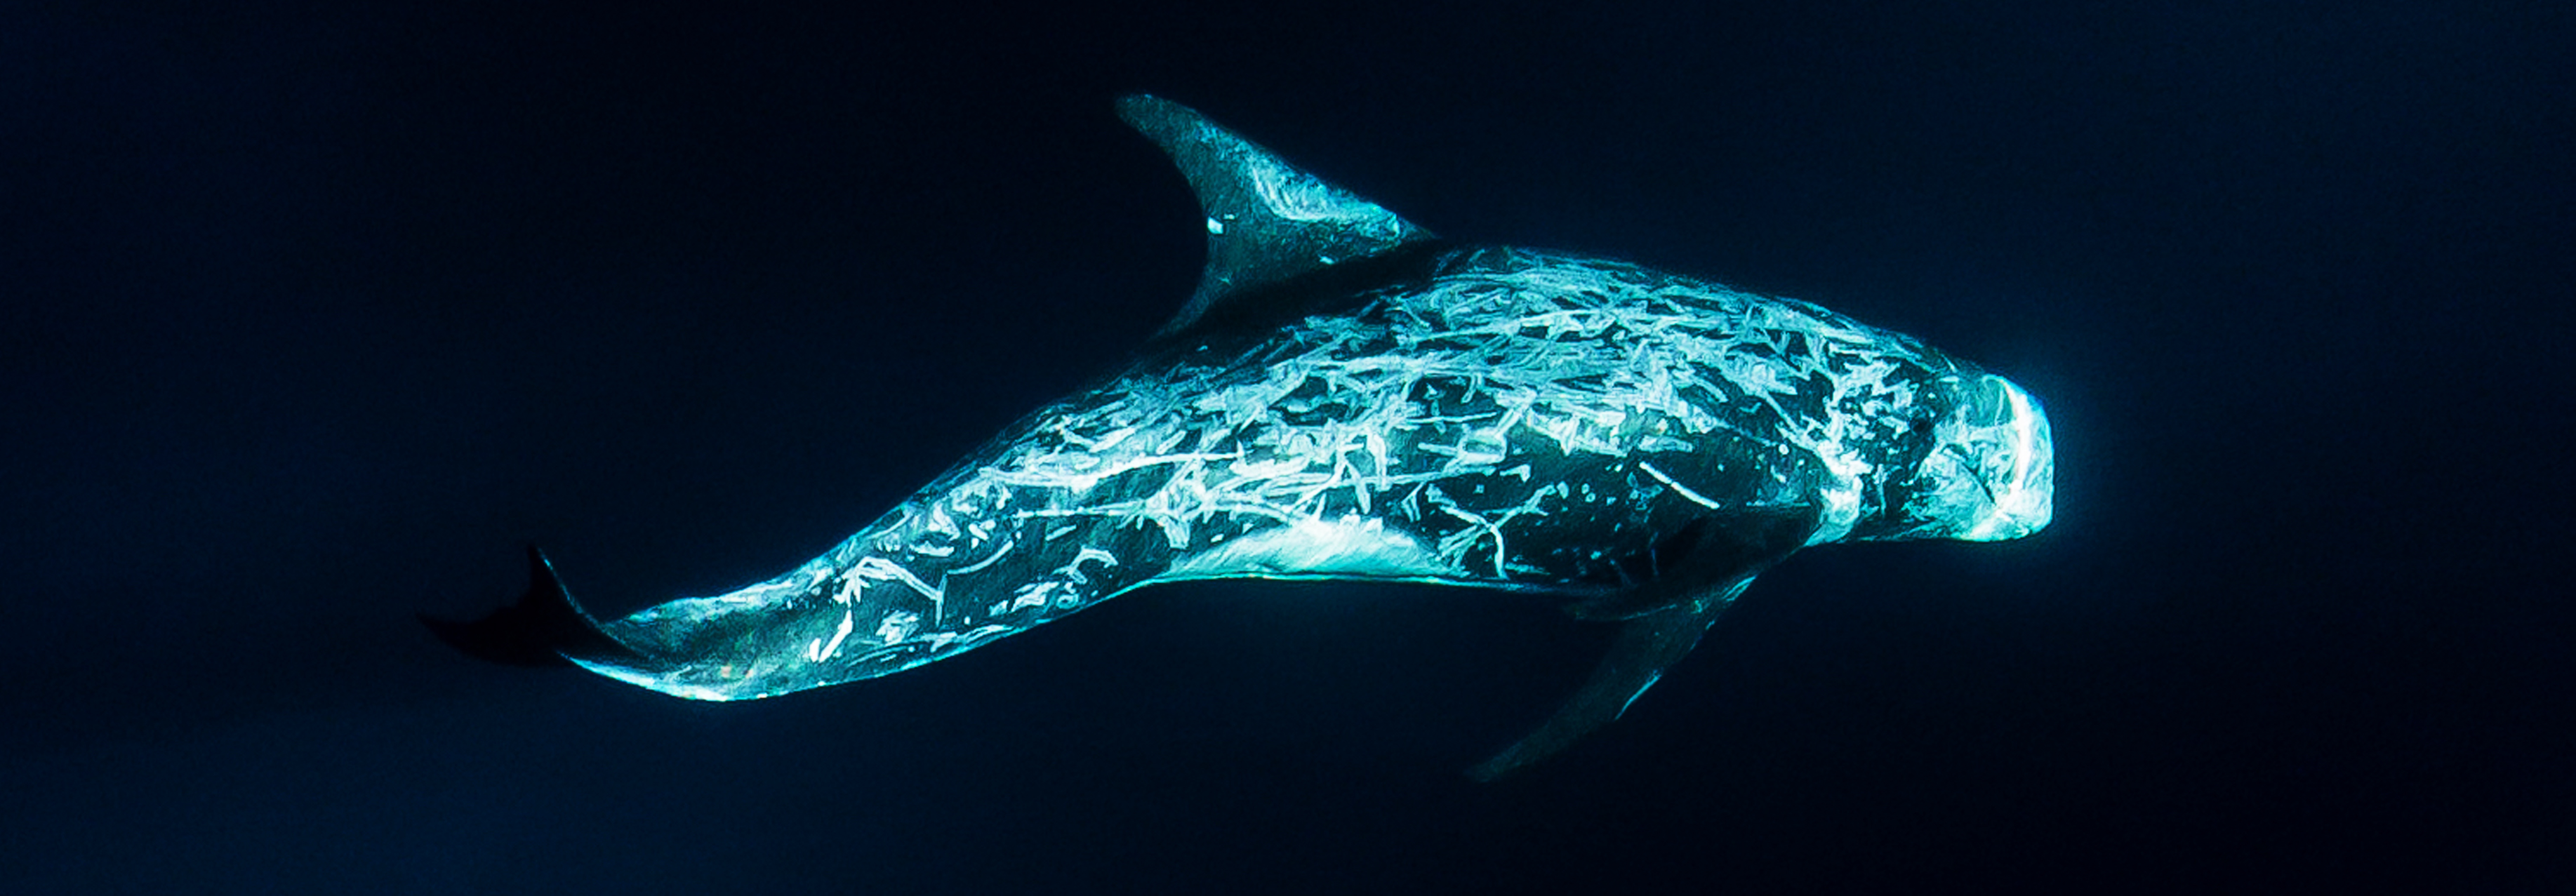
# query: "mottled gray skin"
[[1350, 398]]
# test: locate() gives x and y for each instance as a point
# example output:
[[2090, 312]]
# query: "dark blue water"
[[310, 318]]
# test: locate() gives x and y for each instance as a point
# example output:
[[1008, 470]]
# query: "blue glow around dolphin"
[[1348, 397]]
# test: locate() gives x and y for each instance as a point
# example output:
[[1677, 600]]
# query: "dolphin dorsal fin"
[[1268, 223]]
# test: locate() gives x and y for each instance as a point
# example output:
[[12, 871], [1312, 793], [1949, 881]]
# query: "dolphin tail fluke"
[[545, 628], [1647, 645]]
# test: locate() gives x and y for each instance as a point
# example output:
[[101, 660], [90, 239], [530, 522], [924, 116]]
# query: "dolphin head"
[[1986, 468]]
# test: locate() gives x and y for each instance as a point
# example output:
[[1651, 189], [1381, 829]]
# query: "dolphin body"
[[1348, 397]]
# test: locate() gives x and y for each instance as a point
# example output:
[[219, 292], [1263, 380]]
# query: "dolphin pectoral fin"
[[545, 628], [1678, 568], [1647, 645]]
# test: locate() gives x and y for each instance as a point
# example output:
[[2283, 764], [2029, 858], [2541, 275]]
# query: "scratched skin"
[[1485, 417]]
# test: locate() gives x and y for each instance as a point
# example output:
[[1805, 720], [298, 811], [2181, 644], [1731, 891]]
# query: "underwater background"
[[312, 315]]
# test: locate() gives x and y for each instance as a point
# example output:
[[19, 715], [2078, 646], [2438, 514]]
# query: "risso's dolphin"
[[1348, 397]]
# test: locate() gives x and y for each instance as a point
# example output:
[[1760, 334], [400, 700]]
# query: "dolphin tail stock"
[[545, 628], [1647, 645]]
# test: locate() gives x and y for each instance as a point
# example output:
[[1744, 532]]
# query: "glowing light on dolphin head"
[[1987, 472]]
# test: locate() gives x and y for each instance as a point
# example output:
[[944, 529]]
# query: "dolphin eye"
[[1968, 462]]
